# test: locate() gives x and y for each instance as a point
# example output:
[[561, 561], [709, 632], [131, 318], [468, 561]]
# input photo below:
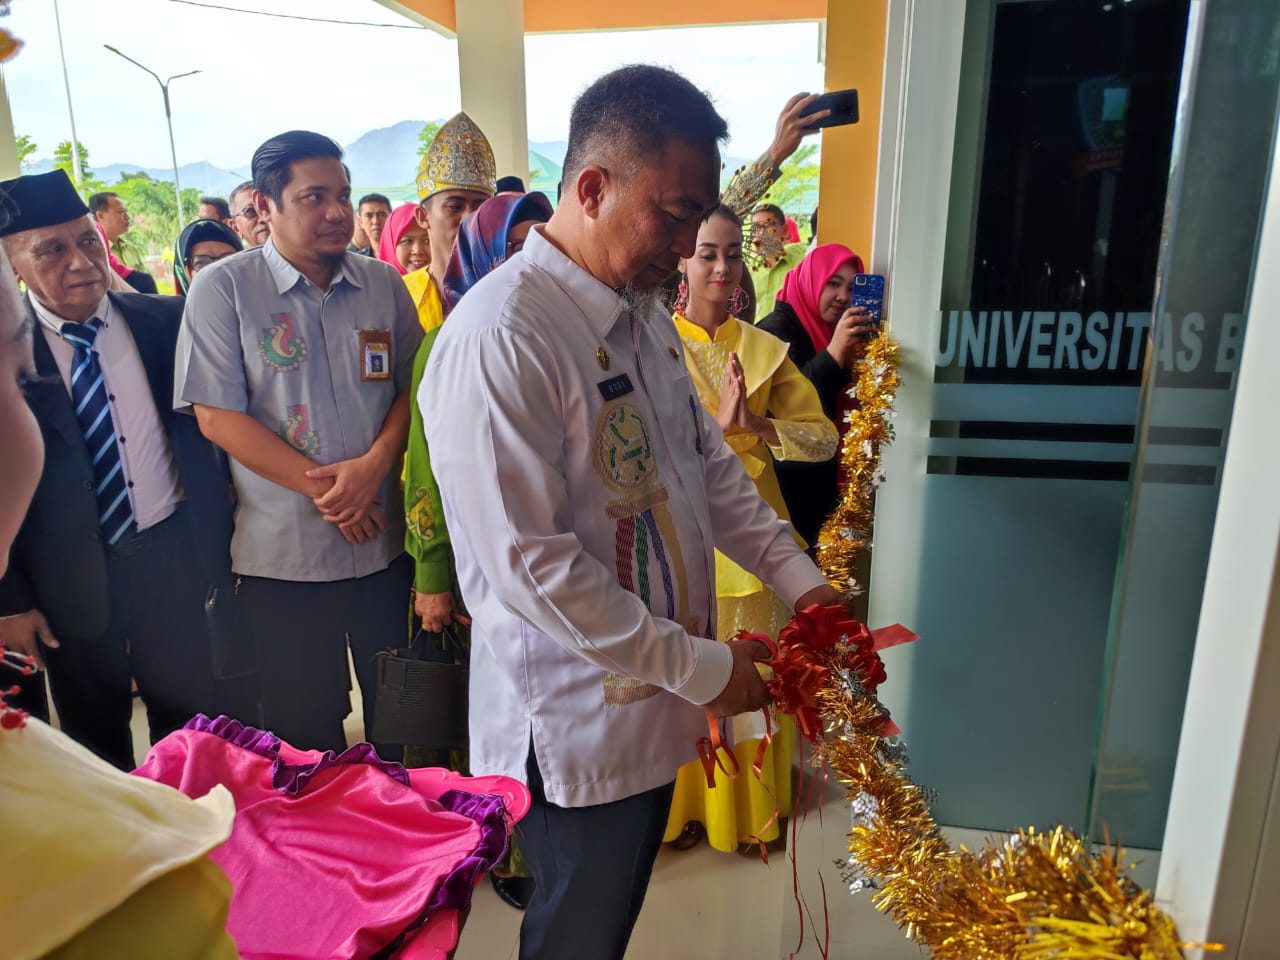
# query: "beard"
[[330, 258], [642, 300]]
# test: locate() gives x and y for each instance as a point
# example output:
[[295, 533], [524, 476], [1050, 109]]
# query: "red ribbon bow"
[[818, 640]]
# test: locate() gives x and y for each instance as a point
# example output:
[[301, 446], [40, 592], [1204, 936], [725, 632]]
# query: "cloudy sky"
[[261, 75]]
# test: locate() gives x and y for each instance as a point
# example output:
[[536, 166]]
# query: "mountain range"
[[385, 160]]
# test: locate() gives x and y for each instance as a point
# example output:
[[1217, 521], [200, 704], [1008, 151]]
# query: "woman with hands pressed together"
[[825, 336], [767, 410]]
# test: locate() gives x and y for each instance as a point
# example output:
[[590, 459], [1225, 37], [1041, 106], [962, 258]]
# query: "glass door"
[[999, 531], [1220, 169]]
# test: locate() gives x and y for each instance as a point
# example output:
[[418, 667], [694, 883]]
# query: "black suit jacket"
[[58, 564]]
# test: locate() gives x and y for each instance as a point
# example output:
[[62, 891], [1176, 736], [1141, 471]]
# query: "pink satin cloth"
[[345, 860]]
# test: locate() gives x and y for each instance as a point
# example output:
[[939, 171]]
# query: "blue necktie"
[[89, 394]]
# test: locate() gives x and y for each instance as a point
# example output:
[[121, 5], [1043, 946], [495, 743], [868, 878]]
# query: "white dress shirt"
[[150, 474], [583, 527]]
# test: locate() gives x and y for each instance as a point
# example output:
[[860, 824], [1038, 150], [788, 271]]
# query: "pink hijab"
[[399, 221], [802, 287]]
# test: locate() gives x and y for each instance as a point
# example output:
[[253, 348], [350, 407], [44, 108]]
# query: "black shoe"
[[516, 891]]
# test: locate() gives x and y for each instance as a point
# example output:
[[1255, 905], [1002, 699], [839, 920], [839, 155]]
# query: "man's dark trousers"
[[156, 633], [591, 868]]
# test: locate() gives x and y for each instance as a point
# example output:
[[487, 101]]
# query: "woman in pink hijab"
[[404, 243], [824, 336]]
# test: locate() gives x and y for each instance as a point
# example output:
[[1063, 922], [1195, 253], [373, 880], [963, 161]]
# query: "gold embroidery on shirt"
[[811, 442], [421, 519], [684, 615], [624, 691], [711, 359], [623, 455], [648, 558], [617, 509]]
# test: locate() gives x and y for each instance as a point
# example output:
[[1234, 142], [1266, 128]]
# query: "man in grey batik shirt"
[[295, 358]]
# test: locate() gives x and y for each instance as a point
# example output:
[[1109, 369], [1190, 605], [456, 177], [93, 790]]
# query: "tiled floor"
[[705, 905]]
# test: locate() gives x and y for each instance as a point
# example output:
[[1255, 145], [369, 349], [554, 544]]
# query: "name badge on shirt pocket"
[[375, 354], [615, 387]]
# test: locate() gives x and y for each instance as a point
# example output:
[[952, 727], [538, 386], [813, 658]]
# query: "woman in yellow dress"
[[768, 410]]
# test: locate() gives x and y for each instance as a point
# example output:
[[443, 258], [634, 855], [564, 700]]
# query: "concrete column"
[[855, 57], [1220, 866], [8, 139], [491, 69]]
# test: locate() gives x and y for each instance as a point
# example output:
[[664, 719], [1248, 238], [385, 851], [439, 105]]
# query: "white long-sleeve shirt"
[[584, 487]]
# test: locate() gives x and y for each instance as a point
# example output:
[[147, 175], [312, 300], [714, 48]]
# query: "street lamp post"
[[168, 119], [66, 80]]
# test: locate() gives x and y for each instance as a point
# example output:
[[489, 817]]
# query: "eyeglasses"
[[200, 261], [249, 213]]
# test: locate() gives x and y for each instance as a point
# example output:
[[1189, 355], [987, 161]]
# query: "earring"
[[738, 302], [681, 302]]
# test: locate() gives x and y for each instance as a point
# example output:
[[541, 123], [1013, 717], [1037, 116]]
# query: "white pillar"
[[8, 138], [491, 74], [1220, 867]]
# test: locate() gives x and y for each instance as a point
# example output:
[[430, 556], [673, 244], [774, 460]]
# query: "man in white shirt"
[[585, 488]]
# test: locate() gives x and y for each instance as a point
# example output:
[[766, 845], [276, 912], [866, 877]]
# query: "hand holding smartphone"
[[843, 105], [868, 292]]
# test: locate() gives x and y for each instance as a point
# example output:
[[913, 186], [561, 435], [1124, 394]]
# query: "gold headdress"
[[459, 158]]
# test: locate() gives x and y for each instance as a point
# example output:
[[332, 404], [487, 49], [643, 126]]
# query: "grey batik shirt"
[[320, 370]]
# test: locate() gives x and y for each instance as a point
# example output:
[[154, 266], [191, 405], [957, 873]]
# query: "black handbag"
[[421, 695]]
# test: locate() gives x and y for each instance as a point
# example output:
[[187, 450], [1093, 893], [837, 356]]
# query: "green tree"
[[153, 209], [62, 161], [26, 147], [426, 135], [797, 189]]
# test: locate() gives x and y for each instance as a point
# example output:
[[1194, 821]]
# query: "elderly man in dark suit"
[[130, 524]]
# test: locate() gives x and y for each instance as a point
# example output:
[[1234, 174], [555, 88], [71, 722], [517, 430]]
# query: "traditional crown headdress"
[[459, 158]]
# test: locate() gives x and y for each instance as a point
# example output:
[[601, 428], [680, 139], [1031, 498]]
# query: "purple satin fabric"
[[291, 778]]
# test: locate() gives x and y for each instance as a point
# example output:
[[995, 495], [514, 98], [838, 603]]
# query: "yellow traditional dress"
[[734, 811], [426, 297], [425, 537], [99, 864]]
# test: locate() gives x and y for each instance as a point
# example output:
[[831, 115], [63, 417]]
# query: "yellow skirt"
[[734, 811]]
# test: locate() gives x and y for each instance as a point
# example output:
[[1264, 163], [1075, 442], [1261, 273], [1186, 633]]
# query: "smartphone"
[[843, 105], [868, 291]]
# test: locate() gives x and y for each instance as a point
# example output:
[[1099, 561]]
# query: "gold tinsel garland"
[[1038, 896]]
